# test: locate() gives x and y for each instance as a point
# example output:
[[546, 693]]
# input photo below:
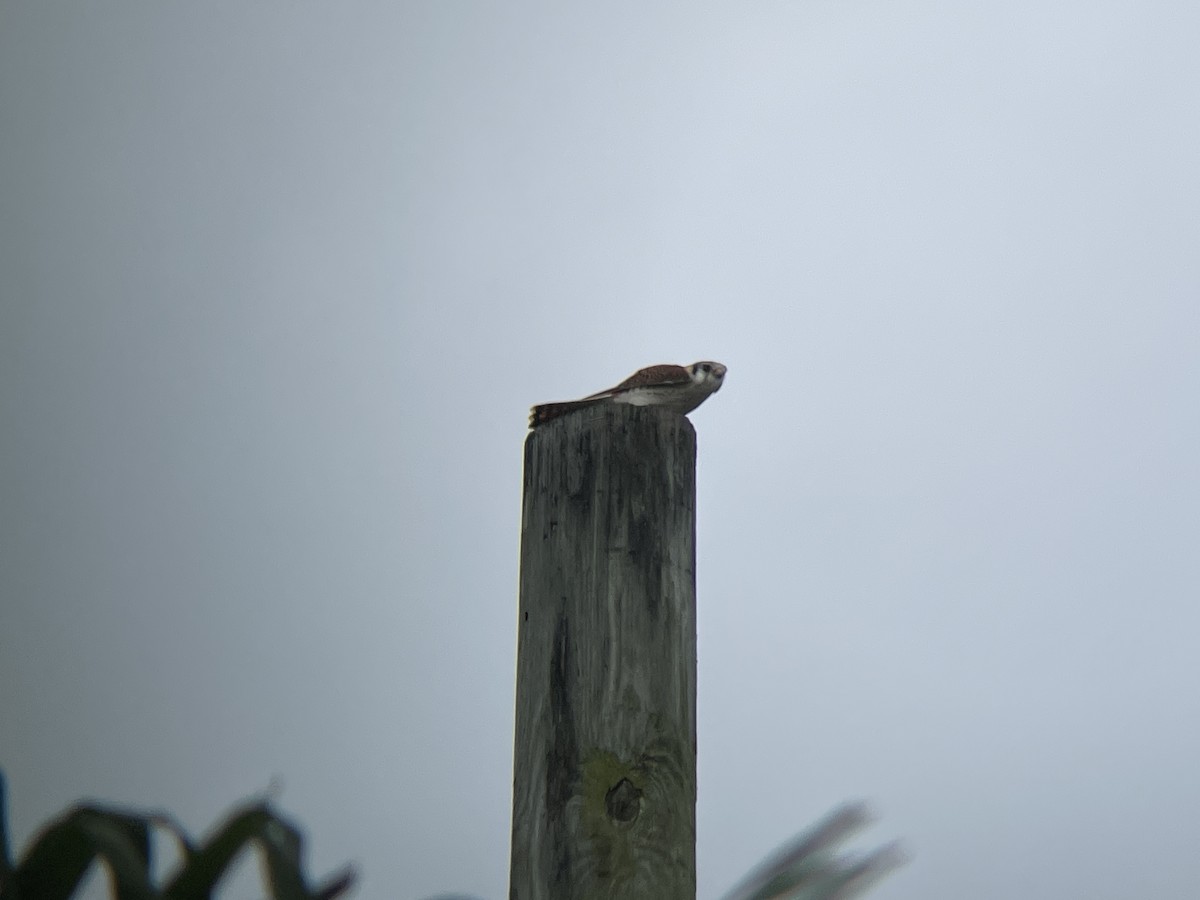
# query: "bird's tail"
[[540, 415]]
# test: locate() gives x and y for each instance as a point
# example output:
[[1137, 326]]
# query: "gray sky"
[[279, 282]]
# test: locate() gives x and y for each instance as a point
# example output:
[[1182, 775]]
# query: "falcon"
[[677, 388]]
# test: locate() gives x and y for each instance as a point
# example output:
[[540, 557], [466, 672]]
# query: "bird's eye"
[[705, 367]]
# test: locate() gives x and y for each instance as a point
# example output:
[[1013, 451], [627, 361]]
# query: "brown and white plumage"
[[678, 388]]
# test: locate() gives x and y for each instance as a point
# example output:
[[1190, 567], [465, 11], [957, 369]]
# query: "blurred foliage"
[[58, 857], [808, 867]]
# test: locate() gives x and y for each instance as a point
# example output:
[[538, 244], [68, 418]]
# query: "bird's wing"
[[664, 374]]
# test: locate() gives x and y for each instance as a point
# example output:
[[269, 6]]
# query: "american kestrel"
[[677, 388]]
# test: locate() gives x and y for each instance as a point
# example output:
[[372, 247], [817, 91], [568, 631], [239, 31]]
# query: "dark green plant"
[[808, 866], [59, 856]]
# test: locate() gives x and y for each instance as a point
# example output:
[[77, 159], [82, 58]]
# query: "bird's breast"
[[681, 398]]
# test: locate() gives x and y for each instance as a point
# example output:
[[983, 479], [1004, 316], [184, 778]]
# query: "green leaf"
[[808, 867], [58, 857], [282, 846], [201, 872], [56, 862]]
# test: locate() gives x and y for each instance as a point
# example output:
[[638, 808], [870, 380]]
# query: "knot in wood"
[[623, 801]]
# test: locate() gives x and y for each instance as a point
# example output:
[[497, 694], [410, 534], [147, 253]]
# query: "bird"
[[677, 388]]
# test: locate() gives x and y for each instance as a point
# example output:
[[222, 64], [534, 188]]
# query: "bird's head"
[[707, 373]]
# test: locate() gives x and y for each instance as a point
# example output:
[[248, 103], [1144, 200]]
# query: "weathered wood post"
[[604, 787]]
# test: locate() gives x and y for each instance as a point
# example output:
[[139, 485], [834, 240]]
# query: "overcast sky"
[[279, 282]]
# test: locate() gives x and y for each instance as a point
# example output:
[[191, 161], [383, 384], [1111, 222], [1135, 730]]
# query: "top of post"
[[614, 419]]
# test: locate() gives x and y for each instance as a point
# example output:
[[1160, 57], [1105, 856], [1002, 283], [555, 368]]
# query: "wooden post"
[[604, 787]]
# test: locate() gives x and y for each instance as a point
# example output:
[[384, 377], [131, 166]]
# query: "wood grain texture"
[[604, 801]]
